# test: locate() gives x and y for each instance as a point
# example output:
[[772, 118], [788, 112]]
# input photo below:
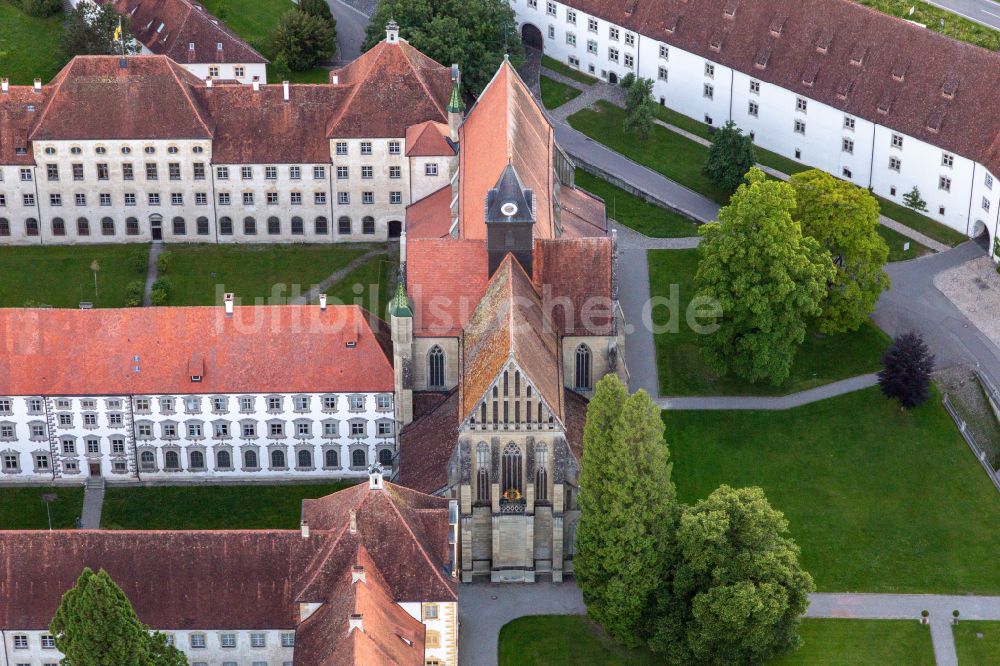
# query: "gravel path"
[[974, 288], [152, 271]]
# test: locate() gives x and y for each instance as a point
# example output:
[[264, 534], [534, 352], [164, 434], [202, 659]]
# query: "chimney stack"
[[38, 85], [304, 526], [228, 300], [358, 573], [208, 81], [356, 621], [322, 301], [285, 85], [354, 521], [4, 85], [256, 86]]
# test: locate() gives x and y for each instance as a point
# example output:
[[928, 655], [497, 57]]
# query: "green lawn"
[[895, 240], [861, 643], [974, 650], [254, 21], [630, 210], [375, 276], [566, 70], [29, 46], [23, 508], [820, 360], [61, 276], [549, 640], [955, 26], [256, 506], [555, 94], [666, 151], [678, 119], [921, 223], [878, 498], [268, 271]]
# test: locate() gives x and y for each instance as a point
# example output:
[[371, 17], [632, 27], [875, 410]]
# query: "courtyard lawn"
[[376, 277], [976, 650], [548, 640], [566, 70], [820, 360], [29, 46], [896, 240], [61, 276], [666, 151], [200, 274], [861, 643], [879, 499], [555, 94], [254, 21], [921, 223], [247, 507], [628, 209], [23, 508], [678, 119]]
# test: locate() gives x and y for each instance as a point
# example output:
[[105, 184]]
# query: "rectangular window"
[[77, 172], [176, 199], [80, 199], [52, 170], [709, 91], [200, 199], [246, 173], [947, 159], [153, 199], [753, 109], [272, 198], [895, 164], [287, 640], [367, 197], [55, 200], [341, 147], [571, 38], [366, 173], [629, 60], [357, 428], [127, 173], [663, 74], [395, 197], [592, 46], [319, 173], [612, 54], [102, 172], [800, 127], [223, 198], [366, 147], [151, 173], [395, 172], [847, 145], [897, 141], [271, 173], [848, 122], [755, 87], [20, 642], [664, 52], [394, 147], [248, 198], [222, 173], [29, 200], [592, 24], [550, 8], [319, 198], [709, 70], [198, 640], [228, 640], [343, 173], [988, 182], [199, 171], [944, 183], [343, 198], [174, 171]]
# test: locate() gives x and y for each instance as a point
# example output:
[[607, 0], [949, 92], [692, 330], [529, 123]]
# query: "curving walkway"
[[335, 277], [485, 608]]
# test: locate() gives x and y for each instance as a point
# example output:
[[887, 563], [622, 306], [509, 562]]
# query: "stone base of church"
[[512, 576]]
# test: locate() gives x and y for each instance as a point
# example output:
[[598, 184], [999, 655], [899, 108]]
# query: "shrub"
[[317, 8], [163, 262], [158, 297], [303, 39], [280, 69], [907, 373], [133, 293], [163, 284], [730, 157], [40, 7], [140, 260]]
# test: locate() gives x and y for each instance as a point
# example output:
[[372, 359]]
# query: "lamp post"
[[49, 498], [94, 266]]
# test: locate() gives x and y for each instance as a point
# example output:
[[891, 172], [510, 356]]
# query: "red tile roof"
[[426, 444], [20, 108], [243, 575], [583, 214], [431, 216], [579, 272], [257, 350], [428, 139], [93, 97], [446, 278], [185, 23], [510, 324], [254, 127], [810, 51], [391, 87], [405, 532], [505, 125]]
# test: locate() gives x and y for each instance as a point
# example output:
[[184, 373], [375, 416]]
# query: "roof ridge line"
[[420, 545], [420, 78], [187, 94]]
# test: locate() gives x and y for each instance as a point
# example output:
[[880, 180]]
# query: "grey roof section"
[[509, 190]]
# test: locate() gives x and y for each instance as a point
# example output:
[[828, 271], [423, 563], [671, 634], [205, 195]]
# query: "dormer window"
[[160, 28], [196, 378], [190, 46], [777, 25], [218, 46]]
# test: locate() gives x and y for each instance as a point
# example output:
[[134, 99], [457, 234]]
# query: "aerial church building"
[[508, 318]]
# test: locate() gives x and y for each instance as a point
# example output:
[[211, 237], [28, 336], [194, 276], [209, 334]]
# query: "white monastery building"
[[140, 149], [875, 100], [368, 579]]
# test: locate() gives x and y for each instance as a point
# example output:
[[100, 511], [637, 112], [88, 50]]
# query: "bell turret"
[[401, 325], [510, 220]]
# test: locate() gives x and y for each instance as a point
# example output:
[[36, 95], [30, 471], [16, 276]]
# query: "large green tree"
[[95, 625], [627, 511], [473, 33], [89, 29], [768, 280], [730, 157], [737, 590], [638, 105], [844, 219], [303, 40]]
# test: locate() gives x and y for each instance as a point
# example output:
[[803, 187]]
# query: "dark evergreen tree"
[[907, 372], [730, 157], [627, 511], [638, 106], [913, 200], [317, 8], [303, 40]]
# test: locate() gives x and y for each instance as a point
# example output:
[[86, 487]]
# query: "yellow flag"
[[118, 33]]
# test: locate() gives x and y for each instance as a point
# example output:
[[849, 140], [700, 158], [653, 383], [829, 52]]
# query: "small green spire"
[[455, 103], [400, 304]]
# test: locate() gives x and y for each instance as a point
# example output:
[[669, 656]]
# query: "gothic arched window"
[[583, 364], [512, 480], [541, 473], [482, 472], [435, 367]]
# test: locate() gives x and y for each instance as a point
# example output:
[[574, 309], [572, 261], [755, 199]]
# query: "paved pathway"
[[771, 402], [335, 277], [485, 608], [151, 272], [351, 24], [615, 95], [93, 502]]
